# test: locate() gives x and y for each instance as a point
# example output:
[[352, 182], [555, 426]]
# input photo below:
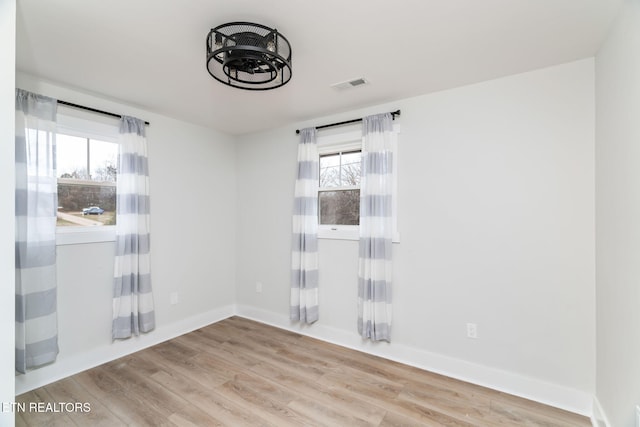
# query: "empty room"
[[423, 212]]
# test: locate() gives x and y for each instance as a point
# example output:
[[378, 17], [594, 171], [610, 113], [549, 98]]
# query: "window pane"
[[350, 175], [85, 203], [330, 170], [340, 207]]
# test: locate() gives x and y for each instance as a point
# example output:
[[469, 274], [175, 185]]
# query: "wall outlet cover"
[[472, 330]]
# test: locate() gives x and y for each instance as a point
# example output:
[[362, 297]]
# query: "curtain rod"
[[393, 115], [93, 110]]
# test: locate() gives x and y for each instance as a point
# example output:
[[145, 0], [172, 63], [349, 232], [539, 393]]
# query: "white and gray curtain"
[[376, 229], [304, 259], [133, 309], [36, 206]]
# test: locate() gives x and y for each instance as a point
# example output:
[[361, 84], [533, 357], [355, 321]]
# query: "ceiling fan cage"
[[248, 56]]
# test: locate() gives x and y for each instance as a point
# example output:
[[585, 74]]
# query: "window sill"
[[83, 235], [338, 233], [345, 233]]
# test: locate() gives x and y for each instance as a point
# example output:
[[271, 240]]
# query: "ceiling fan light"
[[248, 56]]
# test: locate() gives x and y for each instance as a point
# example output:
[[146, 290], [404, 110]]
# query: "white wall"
[[496, 196], [7, 213], [193, 244], [495, 213], [618, 218]]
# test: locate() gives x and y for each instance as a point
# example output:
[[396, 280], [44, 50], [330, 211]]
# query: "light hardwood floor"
[[238, 372]]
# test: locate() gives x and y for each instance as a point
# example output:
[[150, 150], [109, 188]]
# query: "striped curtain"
[[376, 229], [133, 310], [36, 204], [304, 263]]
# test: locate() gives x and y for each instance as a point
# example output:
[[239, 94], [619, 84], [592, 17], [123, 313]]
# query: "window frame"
[[345, 141], [86, 125], [329, 150]]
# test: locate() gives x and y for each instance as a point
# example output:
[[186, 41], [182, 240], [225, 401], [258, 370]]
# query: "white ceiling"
[[151, 53]]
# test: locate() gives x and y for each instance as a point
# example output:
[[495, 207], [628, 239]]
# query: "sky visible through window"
[[340, 169], [72, 158]]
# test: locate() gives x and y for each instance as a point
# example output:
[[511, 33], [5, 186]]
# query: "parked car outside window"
[[93, 210]]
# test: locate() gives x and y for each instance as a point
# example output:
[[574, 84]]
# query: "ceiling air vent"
[[350, 83]]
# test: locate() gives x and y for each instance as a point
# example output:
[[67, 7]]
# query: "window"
[[339, 193], [339, 186], [86, 168]]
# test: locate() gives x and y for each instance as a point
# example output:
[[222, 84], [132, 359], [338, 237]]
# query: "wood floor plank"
[[19, 420], [95, 414], [329, 396], [98, 383], [221, 410], [179, 421], [159, 402], [515, 413], [238, 372], [385, 394], [393, 419], [206, 335], [280, 362], [561, 416], [363, 384], [323, 415], [463, 409], [38, 416], [228, 357], [103, 388], [193, 369], [273, 411]]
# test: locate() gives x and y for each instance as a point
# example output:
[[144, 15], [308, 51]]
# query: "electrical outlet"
[[174, 298], [472, 330], [259, 287]]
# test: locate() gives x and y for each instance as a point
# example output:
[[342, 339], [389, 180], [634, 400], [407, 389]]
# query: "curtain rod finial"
[[393, 115]]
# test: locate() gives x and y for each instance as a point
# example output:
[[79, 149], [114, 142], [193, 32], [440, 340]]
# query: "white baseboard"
[[599, 418], [530, 388], [551, 394], [68, 366]]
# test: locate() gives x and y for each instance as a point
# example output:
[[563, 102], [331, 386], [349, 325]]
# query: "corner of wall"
[[97, 356], [598, 417], [7, 265]]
